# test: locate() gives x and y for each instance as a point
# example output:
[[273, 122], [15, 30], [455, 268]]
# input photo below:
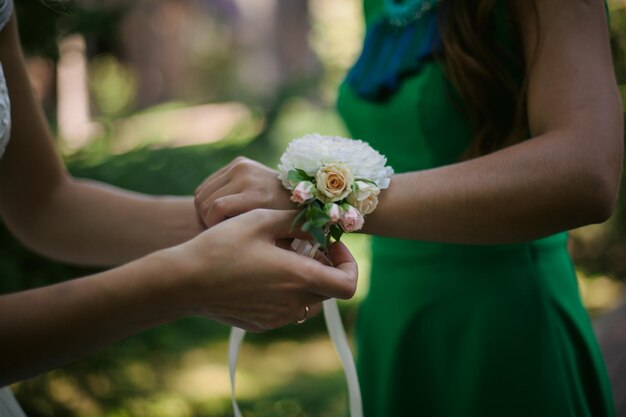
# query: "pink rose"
[[334, 212], [351, 220], [303, 193]]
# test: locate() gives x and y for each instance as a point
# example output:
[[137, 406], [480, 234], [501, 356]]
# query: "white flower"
[[311, 152], [334, 182], [364, 197]]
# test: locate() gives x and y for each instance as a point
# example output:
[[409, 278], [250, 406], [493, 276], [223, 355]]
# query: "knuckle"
[[219, 206], [261, 198], [200, 188], [241, 165], [348, 289], [205, 206]]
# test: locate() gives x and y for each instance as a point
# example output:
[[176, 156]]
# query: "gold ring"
[[306, 313]]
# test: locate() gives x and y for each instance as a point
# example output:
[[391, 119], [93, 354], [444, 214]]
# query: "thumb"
[[279, 224]]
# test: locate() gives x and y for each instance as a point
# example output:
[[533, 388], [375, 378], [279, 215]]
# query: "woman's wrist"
[[171, 276]]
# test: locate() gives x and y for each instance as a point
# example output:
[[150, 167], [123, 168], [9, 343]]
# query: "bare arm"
[[567, 175], [68, 219], [232, 273]]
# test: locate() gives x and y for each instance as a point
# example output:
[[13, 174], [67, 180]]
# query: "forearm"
[[536, 188], [91, 223], [71, 220], [48, 327]]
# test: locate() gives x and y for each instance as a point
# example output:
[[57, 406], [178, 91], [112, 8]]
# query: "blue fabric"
[[391, 53]]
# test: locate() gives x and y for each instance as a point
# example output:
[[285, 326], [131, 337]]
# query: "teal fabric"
[[392, 53], [465, 330]]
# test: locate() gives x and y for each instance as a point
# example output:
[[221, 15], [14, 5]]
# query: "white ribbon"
[[337, 335]]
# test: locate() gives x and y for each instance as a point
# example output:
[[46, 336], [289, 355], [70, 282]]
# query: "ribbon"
[[335, 330]]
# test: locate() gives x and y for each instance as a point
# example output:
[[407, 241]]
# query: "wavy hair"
[[484, 59]]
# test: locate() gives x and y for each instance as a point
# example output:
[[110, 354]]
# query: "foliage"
[[43, 22]]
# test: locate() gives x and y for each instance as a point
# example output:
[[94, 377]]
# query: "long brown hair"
[[484, 60]]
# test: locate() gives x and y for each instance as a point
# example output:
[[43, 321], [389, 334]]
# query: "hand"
[[239, 187], [235, 274]]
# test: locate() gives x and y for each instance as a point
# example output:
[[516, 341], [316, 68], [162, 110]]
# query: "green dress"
[[465, 330]]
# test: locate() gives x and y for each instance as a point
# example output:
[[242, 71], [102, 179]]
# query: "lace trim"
[[6, 8], [5, 113]]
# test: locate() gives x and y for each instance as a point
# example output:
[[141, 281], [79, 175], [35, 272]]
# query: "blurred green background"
[[153, 96]]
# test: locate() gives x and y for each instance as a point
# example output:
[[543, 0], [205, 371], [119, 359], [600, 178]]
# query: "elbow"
[[599, 197], [596, 175], [601, 209]]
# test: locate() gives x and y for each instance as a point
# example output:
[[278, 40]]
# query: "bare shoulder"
[[568, 20], [569, 63]]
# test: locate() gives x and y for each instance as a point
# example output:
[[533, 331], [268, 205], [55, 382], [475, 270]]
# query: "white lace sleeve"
[[5, 114], [8, 404], [6, 9]]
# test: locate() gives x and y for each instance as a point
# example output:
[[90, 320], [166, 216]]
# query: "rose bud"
[[333, 211], [303, 193], [351, 220]]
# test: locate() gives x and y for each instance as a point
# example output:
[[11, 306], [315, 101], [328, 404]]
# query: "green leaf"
[[316, 205], [296, 176], [307, 226], [299, 217], [316, 215], [318, 235], [367, 181], [320, 222], [336, 232], [304, 174]]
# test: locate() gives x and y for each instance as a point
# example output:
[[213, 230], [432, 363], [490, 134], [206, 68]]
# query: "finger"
[[278, 224], [210, 179], [222, 209], [345, 271], [340, 255], [306, 312], [242, 324], [210, 186], [220, 178], [315, 309], [326, 281], [209, 204]]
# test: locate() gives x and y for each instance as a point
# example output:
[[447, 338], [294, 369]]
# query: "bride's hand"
[[239, 187], [234, 273]]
